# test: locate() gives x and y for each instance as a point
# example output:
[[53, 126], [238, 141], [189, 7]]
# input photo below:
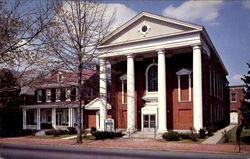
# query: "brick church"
[[165, 75]]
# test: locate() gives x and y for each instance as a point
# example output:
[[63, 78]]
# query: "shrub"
[[93, 130], [101, 135], [202, 133], [28, 132], [211, 130], [71, 130], [226, 136], [56, 132], [171, 136], [185, 135], [194, 134]]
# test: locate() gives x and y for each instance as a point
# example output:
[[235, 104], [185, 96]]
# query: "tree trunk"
[[79, 109]]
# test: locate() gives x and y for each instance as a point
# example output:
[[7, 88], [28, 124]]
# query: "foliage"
[[56, 132], [226, 136], [202, 133], [93, 130], [210, 130], [171, 136], [185, 135], [10, 122], [245, 104], [194, 134], [71, 130], [101, 135]]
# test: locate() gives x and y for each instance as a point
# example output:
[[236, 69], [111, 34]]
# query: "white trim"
[[180, 73]]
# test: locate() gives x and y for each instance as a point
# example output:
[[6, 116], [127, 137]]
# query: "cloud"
[[236, 79], [246, 4], [122, 13], [206, 11]]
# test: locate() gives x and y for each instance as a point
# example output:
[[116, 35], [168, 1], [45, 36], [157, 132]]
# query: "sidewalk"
[[142, 144], [218, 135]]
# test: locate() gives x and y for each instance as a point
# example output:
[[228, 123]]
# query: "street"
[[22, 151]]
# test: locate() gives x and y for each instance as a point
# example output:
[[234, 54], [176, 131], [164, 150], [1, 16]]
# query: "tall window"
[[39, 96], [184, 85], [124, 88], [58, 95], [233, 97], [48, 95], [152, 78]]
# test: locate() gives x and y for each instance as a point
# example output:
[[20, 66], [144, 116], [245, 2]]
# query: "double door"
[[149, 122]]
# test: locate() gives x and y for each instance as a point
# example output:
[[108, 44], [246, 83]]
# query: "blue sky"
[[227, 23]]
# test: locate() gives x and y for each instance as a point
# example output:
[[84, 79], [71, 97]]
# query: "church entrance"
[[149, 122]]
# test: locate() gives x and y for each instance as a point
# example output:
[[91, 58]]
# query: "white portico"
[[150, 36]]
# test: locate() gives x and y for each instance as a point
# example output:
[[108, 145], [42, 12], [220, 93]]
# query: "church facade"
[[165, 75]]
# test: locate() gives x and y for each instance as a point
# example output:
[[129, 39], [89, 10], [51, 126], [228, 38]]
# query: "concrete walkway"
[[218, 135]]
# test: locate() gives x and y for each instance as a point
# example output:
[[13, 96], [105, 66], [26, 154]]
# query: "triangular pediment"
[[96, 104], [146, 26]]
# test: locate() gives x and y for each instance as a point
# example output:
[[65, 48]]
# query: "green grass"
[[186, 141], [51, 136], [245, 137]]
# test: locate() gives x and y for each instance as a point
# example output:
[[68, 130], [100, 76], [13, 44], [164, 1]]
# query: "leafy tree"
[[245, 104]]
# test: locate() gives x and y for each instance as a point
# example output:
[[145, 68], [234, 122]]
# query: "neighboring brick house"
[[52, 101], [166, 75], [236, 96]]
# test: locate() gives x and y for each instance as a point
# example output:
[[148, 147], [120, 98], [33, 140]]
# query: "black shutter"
[[53, 95], [63, 94]]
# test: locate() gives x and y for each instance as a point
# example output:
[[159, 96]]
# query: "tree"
[[78, 28], [10, 114], [21, 23], [245, 104]]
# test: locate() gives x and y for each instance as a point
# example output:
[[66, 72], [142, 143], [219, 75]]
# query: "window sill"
[[185, 101]]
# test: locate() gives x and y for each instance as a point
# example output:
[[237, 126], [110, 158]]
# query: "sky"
[[226, 21]]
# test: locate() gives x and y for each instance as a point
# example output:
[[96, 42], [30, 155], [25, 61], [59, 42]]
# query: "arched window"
[[152, 78]]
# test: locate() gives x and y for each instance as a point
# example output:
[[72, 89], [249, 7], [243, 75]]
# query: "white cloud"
[[246, 4], [206, 11], [236, 79], [122, 13]]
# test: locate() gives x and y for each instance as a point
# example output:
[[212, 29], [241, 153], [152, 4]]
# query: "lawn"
[[245, 137], [88, 137]]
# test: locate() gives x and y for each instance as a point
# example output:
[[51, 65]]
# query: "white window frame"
[[123, 78], [146, 74], [58, 95], [48, 93], [68, 94], [39, 94], [180, 73], [231, 97]]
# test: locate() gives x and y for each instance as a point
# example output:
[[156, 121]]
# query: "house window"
[[233, 97], [59, 77], [152, 78], [184, 85], [48, 95], [39, 96], [124, 88], [68, 94], [58, 95]]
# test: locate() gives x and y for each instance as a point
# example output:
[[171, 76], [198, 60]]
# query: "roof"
[[185, 28]]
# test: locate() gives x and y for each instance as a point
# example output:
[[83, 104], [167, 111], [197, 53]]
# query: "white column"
[[24, 118], [130, 94], [38, 117], [70, 117], [162, 102], [197, 88], [103, 94], [53, 117]]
